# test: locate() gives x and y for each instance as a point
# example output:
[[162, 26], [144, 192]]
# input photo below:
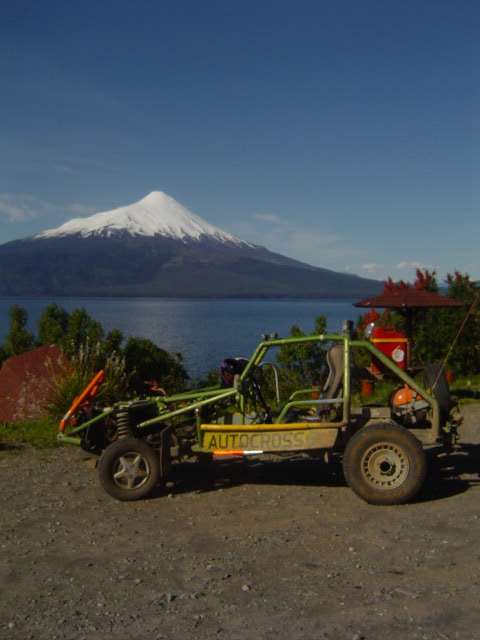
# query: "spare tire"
[[435, 383]]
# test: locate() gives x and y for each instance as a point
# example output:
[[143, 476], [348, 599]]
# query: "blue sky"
[[344, 134]]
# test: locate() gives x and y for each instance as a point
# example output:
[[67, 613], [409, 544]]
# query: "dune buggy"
[[383, 447]]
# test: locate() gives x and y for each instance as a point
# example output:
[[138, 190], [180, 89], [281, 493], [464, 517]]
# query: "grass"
[[40, 434], [466, 389]]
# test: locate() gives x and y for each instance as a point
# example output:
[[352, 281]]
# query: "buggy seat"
[[334, 381]]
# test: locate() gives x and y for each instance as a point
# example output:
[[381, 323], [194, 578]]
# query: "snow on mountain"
[[156, 214]]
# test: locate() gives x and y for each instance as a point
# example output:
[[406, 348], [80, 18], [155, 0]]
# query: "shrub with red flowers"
[[435, 329]]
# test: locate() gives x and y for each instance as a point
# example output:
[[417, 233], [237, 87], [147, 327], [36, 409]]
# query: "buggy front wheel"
[[384, 464], [129, 469]]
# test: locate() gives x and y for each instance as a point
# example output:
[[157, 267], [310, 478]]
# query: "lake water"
[[204, 331]]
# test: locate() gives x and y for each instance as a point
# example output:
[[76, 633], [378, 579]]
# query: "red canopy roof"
[[408, 298]]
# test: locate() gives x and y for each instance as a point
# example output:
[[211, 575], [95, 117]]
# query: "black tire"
[[435, 383], [384, 464], [129, 469]]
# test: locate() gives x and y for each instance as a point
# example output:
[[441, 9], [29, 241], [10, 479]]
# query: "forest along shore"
[[253, 550]]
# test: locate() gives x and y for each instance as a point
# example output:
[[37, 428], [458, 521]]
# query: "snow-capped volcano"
[[157, 214], [157, 247]]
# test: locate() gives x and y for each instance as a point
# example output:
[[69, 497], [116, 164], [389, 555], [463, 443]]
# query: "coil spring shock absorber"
[[123, 424]]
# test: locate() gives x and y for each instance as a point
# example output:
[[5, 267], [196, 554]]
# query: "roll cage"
[[207, 407]]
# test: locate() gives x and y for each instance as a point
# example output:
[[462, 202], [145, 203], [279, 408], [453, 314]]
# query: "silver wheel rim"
[[131, 470], [385, 466]]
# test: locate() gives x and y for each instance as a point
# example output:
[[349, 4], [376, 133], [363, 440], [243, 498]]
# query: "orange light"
[[228, 452], [236, 452]]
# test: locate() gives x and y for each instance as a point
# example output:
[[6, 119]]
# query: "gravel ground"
[[264, 551]]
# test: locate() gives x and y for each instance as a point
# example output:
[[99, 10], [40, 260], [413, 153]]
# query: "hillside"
[[157, 247]]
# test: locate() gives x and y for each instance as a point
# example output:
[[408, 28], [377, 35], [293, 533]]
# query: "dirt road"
[[264, 551]]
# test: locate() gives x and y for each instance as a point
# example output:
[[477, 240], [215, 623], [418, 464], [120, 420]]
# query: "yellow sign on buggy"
[[262, 438]]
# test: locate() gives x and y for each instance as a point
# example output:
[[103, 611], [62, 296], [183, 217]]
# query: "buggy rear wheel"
[[129, 469], [384, 464]]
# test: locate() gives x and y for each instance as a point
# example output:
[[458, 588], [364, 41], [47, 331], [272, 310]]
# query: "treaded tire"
[[435, 383], [129, 469], [384, 464]]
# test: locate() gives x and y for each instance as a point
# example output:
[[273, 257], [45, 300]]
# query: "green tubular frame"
[[403, 375], [211, 395], [72, 438]]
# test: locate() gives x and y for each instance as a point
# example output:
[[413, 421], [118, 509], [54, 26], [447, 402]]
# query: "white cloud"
[[401, 271], [62, 168], [311, 245], [16, 208], [415, 265], [373, 269], [268, 217]]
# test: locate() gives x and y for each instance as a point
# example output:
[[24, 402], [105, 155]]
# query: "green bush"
[[146, 361], [84, 365], [82, 339]]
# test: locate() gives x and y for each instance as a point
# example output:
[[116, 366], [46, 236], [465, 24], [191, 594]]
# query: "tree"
[[18, 339], [435, 329], [53, 325], [426, 280], [113, 341], [146, 361], [83, 341], [465, 356], [302, 365], [82, 330], [75, 331]]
